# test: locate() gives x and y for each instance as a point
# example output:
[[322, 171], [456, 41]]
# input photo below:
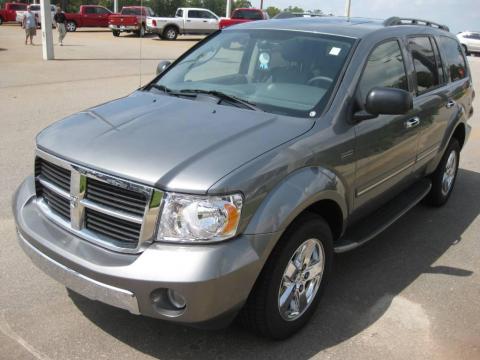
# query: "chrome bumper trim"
[[79, 283]]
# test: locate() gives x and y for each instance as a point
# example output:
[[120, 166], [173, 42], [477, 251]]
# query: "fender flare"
[[293, 195]]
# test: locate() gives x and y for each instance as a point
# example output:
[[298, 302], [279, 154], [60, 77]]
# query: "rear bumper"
[[215, 280], [123, 28], [154, 30]]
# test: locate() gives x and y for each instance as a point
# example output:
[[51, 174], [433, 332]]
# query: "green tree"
[[241, 4], [272, 11], [294, 9]]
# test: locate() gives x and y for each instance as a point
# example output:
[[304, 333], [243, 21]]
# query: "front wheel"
[[70, 26], [141, 32], [116, 33], [443, 179], [289, 288]]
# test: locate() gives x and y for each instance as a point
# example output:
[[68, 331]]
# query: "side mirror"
[[385, 101], [162, 66]]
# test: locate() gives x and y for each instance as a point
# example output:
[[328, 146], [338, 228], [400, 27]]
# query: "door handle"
[[410, 123], [204, 20], [450, 104], [189, 20]]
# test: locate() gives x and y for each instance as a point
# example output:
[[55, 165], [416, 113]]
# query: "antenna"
[[141, 33]]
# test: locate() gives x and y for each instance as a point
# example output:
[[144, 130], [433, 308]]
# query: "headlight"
[[191, 218]]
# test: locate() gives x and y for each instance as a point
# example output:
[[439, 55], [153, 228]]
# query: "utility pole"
[[47, 38], [347, 7], [261, 4], [229, 8], [115, 6]]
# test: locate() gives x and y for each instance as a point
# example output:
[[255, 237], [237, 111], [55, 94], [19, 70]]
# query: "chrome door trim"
[[381, 181]]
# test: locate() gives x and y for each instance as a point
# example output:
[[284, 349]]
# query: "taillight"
[[154, 22]]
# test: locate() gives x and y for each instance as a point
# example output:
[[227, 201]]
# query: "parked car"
[[187, 21], [9, 11], [240, 16], [470, 41], [88, 16], [130, 19], [226, 184], [36, 10]]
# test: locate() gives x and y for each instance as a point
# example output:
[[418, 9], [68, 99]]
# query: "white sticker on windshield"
[[335, 51], [264, 60]]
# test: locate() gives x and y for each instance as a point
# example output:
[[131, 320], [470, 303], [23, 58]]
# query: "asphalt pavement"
[[411, 293]]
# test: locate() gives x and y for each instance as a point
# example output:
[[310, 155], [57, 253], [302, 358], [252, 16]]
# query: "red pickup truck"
[[9, 12], [244, 15], [130, 19], [88, 16]]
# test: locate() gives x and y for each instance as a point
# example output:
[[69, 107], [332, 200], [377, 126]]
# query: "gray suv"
[[225, 186]]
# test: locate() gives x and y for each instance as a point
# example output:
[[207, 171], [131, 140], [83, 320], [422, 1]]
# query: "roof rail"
[[394, 20]]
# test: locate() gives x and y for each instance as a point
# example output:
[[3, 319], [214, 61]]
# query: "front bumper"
[[123, 28], [214, 280]]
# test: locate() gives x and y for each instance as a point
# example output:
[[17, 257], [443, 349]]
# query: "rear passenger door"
[[386, 145], [431, 99]]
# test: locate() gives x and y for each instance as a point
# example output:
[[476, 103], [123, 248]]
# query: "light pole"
[[347, 7], [47, 38], [229, 8]]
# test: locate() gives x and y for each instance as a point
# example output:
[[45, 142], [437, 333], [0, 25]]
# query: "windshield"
[[283, 72]]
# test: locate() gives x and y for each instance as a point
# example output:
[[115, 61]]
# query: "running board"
[[382, 218]]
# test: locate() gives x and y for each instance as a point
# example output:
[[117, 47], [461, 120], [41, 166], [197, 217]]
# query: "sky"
[[459, 15]]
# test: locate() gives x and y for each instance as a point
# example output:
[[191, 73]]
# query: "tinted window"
[[35, 7], [247, 14], [90, 10], [385, 68], [179, 13], [18, 7], [455, 62], [206, 15], [131, 11], [426, 72], [102, 11], [195, 14], [441, 76]]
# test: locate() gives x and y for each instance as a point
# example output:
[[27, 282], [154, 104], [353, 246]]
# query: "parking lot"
[[413, 292]]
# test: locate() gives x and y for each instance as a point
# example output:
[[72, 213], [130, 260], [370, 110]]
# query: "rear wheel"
[[116, 33], [70, 26], [170, 33], [289, 288], [443, 179]]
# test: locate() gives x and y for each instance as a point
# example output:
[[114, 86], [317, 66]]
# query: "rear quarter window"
[[454, 59]]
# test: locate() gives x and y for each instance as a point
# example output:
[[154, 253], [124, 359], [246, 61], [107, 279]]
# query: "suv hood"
[[168, 142]]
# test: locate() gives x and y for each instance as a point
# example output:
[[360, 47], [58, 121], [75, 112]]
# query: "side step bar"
[[382, 218]]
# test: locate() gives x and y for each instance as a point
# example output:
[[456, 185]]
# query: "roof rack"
[[394, 20]]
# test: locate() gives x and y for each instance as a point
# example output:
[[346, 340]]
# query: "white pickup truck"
[[187, 21]]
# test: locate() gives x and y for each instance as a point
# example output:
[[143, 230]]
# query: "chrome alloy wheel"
[[171, 33], [449, 173], [301, 279]]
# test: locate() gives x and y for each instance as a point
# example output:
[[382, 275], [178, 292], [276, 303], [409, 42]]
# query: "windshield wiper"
[[223, 97]]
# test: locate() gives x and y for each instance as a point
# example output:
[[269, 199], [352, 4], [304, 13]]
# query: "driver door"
[[386, 146]]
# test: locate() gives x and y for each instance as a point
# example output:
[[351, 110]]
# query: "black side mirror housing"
[[162, 66], [385, 101]]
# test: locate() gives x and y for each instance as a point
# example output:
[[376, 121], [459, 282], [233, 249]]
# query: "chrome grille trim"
[[79, 203]]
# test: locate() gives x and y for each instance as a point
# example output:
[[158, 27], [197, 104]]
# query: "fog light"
[[176, 299]]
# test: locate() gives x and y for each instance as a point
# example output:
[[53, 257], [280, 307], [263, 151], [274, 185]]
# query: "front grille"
[[103, 209], [57, 176], [125, 233], [115, 197], [53, 173]]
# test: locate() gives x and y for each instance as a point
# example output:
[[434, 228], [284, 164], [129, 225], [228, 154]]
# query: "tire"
[[71, 26], [116, 33], [141, 32], [1, 21], [170, 33], [264, 312], [160, 36], [465, 49], [444, 176]]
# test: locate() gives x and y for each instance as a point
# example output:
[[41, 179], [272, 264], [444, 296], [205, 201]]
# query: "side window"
[[90, 10], [194, 14], [179, 13], [455, 61], [385, 68], [102, 11], [438, 59], [426, 72]]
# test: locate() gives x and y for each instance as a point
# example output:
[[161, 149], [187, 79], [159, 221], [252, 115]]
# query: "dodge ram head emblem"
[[74, 200]]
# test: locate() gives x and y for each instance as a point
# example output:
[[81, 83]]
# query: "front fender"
[[293, 195]]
